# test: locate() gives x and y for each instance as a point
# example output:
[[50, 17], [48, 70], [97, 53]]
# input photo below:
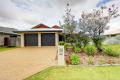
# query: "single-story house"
[[8, 37], [112, 33], [40, 35]]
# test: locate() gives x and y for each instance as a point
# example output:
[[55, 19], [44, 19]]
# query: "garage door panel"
[[48, 39], [31, 39]]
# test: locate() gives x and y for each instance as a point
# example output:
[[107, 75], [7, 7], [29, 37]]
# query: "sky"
[[24, 14]]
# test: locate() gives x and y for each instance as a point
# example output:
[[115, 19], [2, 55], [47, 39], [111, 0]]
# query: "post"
[[22, 39], [39, 39], [61, 60], [56, 39]]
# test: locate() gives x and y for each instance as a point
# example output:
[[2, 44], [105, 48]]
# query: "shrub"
[[61, 43], [75, 59], [90, 50], [70, 46], [66, 45], [112, 53], [82, 39], [90, 60], [77, 49], [78, 45], [98, 43]]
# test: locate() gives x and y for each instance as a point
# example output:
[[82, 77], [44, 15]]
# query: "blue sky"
[[101, 2], [24, 14]]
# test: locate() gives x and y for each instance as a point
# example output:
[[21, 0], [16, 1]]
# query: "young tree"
[[95, 23], [82, 39], [69, 25]]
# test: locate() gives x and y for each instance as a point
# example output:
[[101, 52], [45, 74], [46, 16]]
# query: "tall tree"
[[95, 23], [69, 25]]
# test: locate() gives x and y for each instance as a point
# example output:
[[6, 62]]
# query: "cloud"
[[24, 14]]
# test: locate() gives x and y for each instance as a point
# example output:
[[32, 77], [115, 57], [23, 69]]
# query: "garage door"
[[48, 39], [31, 39]]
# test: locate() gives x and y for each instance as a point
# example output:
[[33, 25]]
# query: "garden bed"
[[91, 57], [97, 59]]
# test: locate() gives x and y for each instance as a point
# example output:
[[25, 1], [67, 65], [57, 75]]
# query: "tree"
[[82, 39], [95, 23], [69, 25]]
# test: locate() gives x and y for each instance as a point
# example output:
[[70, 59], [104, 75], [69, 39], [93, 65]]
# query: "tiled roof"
[[40, 26], [56, 27]]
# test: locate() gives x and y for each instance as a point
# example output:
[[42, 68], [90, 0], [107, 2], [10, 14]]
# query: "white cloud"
[[24, 14]]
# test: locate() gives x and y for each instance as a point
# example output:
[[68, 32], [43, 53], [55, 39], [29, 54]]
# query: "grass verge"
[[78, 73]]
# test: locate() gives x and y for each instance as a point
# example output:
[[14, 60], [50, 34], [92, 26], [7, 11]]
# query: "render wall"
[[2, 36]]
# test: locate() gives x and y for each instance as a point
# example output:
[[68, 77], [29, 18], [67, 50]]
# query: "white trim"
[[41, 30], [39, 39], [56, 39], [22, 39]]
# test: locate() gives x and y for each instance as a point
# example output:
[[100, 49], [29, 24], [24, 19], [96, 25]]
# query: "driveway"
[[20, 63]]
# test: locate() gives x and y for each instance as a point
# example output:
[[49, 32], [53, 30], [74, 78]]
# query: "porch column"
[[56, 39], [39, 39], [22, 39]]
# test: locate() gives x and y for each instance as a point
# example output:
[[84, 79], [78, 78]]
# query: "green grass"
[[78, 73], [112, 50], [114, 47], [5, 48]]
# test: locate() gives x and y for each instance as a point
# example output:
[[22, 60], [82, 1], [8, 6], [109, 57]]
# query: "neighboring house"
[[8, 37], [40, 35], [113, 33]]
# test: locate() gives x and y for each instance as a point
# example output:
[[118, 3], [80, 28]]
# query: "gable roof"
[[56, 27], [7, 30], [40, 26]]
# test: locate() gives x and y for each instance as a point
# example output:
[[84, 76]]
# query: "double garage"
[[46, 39], [39, 37]]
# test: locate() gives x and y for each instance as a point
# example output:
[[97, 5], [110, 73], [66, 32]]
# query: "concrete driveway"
[[20, 63]]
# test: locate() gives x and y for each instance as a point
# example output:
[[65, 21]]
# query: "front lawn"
[[78, 73], [6, 48]]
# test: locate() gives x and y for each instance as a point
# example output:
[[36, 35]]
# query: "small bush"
[[70, 46], [77, 49], [90, 50], [78, 45], [90, 60], [66, 45], [111, 52], [75, 59], [61, 43]]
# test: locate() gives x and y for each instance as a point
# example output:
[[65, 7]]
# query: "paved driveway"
[[20, 63]]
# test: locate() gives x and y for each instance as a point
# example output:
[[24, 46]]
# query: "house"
[[112, 33], [40, 35], [8, 37]]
